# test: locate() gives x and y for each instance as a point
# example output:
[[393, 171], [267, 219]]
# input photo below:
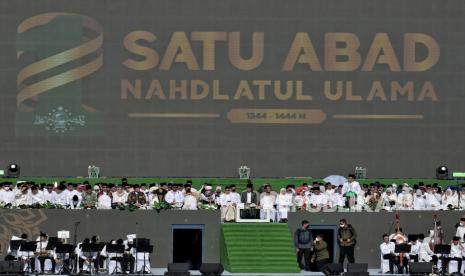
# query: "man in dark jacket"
[[249, 196], [303, 242], [346, 237]]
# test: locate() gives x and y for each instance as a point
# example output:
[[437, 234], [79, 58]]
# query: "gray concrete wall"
[[112, 224], [371, 226]]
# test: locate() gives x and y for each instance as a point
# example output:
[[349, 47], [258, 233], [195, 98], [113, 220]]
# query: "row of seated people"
[[54, 256], [309, 197]]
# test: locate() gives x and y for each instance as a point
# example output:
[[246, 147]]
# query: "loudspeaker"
[[178, 267], [177, 273], [211, 269], [13, 267], [355, 267], [357, 273], [332, 269], [420, 268]]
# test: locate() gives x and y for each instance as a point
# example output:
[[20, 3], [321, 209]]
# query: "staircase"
[[258, 248]]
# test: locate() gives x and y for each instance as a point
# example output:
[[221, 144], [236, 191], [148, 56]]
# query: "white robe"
[[190, 203], [404, 201], [267, 202], [284, 203], [6, 197], [318, 201], [419, 203], [104, 202], [37, 198], [120, 198], [431, 202]]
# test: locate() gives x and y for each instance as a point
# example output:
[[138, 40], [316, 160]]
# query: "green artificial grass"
[[258, 248]]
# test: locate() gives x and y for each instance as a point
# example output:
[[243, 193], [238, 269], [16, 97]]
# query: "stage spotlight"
[[13, 170], [442, 172]]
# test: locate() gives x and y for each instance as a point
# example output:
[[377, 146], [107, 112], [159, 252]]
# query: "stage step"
[[258, 248]]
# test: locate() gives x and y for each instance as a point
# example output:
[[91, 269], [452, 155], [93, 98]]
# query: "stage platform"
[[161, 271]]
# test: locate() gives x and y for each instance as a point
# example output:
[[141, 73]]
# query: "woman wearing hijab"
[[284, 203]]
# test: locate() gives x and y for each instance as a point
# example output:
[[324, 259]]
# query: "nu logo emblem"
[[56, 53]]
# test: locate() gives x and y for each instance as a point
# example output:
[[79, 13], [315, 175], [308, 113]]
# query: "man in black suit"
[[249, 196]]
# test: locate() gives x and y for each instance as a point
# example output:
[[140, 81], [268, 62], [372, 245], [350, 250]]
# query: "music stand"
[[62, 250], [99, 247], [442, 249], [14, 246], [116, 249], [403, 248], [29, 247], [412, 237], [90, 249], [143, 246]]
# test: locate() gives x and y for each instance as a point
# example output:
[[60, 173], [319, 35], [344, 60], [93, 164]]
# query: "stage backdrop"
[[198, 88]]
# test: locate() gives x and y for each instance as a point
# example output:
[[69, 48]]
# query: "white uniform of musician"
[[425, 252]]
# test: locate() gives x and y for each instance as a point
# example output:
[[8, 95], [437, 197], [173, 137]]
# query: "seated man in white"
[[175, 197], [268, 203], [456, 252], [387, 254], [318, 201], [104, 201], [190, 201], [228, 203]]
